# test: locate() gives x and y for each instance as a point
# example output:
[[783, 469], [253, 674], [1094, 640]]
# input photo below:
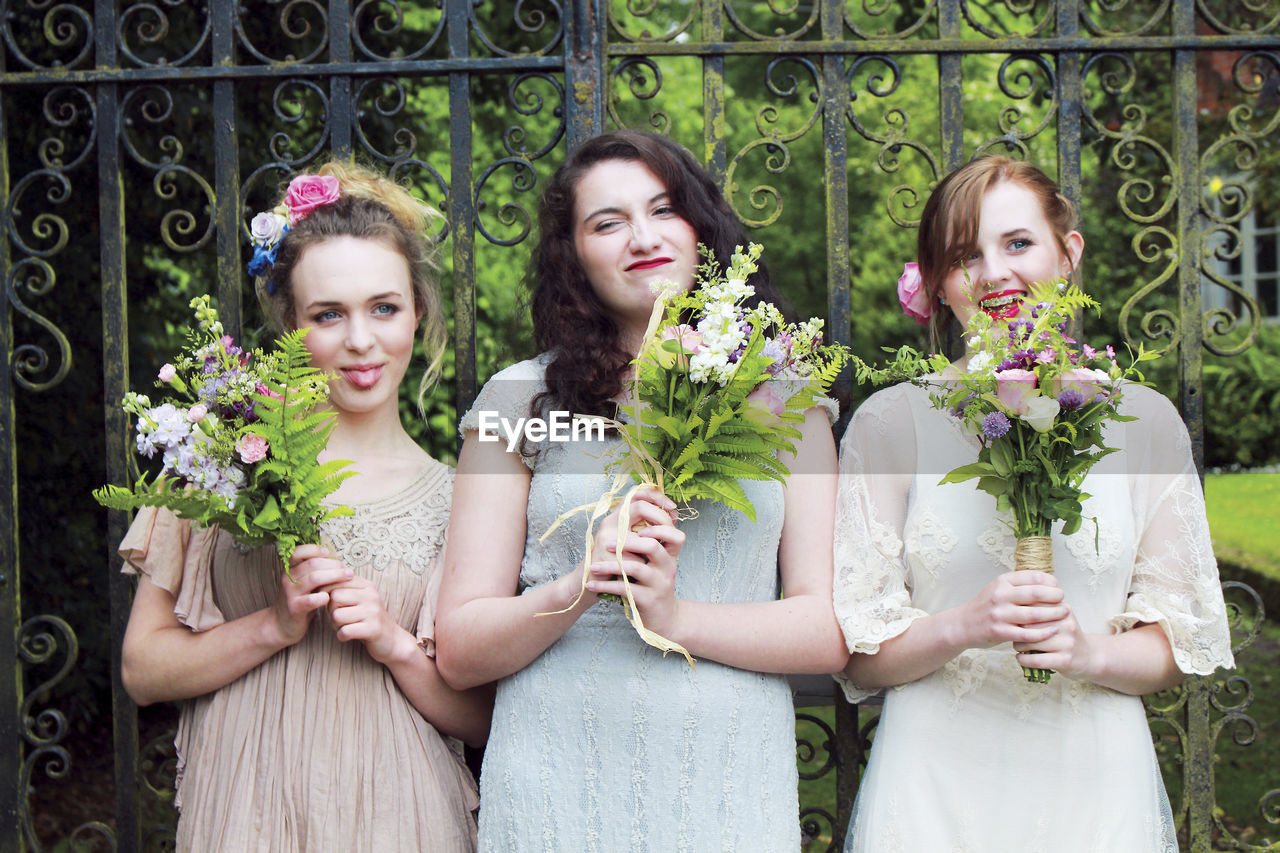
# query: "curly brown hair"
[[587, 364], [370, 207]]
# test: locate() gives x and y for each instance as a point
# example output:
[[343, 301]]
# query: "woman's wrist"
[[269, 634], [403, 649]]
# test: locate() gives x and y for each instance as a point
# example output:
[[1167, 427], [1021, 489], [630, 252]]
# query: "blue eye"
[[326, 316], [386, 309], [1020, 244]]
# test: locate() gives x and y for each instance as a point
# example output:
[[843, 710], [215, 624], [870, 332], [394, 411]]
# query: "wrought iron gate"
[[134, 136]]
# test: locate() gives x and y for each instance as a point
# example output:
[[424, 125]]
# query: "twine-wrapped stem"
[[1034, 553]]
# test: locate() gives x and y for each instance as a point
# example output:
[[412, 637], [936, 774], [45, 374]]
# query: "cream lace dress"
[[316, 749], [973, 758]]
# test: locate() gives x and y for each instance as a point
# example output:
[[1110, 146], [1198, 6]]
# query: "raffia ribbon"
[[1034, 553], [599, 509]]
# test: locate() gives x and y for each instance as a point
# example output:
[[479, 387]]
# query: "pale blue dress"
[[601, 744]]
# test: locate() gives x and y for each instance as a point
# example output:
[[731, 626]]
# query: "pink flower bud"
[[766, 396], [197, 413], [1090, 383], [167, 372]]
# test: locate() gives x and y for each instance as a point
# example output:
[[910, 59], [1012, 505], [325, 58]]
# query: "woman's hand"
[[649, 554], [1019, 607], [1069, 650], [313, 571], [357, 613]]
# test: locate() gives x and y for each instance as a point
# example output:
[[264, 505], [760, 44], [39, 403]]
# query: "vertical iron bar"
[[1198, 766], [115, 382], [11, 793], [713, 123], [226, 155], [341, 117], [1070, 95], [585, 88], [462, 208], [951, 120], [835, 108], [950, 89]]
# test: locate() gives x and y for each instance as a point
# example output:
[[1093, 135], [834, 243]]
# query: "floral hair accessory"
[[307, 192], [911, 293], [304, 194]]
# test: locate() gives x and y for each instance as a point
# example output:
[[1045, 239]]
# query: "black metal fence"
[[137, 137]]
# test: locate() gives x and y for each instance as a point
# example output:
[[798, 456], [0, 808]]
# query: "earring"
[[942, 300]]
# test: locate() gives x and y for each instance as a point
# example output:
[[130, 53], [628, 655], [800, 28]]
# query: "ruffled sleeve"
[[177, 558], [1175, 577], [426, 632], [507, 395], [871, 592]]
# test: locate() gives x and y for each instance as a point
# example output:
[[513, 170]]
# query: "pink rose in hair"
[[911, 293], [1015, 388], [307, 192]]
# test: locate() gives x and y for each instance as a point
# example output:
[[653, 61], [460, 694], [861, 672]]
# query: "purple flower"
[[1070, 399], [995, 425], [958, 409]]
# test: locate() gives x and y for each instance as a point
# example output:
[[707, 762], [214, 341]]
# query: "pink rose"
[[911, 293], [167, 372], [688, 337], [688, 340], [197, 413], [307, 192], [1089, 383], [766, 396], [252, 448], [1015, 388]]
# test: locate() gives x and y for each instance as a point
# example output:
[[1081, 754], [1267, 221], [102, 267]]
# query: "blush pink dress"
[[317, 748]]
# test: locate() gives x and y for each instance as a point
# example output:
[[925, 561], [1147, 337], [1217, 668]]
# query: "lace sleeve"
[[1175, 578], [506, 395], [871, 594]]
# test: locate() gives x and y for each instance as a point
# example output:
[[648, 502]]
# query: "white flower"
[[709, 366], [1040, 412], [266, 229], [171, 424], [980, 362]]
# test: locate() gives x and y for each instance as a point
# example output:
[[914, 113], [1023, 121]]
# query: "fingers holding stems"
[[313, 572]]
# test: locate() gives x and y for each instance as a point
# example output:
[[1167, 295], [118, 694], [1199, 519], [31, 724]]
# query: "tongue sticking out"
[[365, 377]]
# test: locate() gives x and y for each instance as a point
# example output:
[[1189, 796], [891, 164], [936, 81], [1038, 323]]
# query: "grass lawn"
[[1244, 510]]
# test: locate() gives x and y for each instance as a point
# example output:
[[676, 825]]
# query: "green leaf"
[[968, 472]]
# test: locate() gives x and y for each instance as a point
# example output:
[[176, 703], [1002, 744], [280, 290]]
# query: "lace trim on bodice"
[[408, 527]]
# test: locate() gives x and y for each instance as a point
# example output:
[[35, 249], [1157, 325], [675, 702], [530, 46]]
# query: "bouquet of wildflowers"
[[239, 442], [716, 390], [1037, 401]]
